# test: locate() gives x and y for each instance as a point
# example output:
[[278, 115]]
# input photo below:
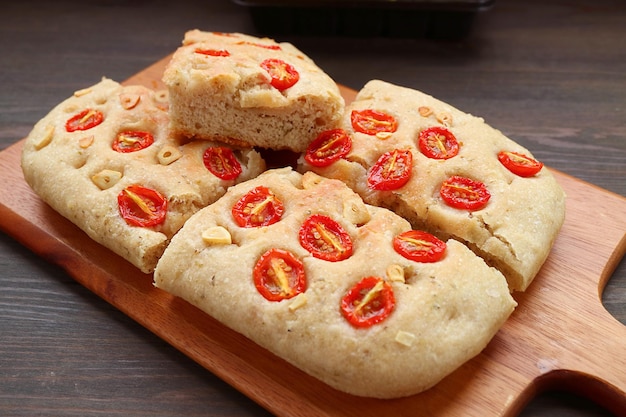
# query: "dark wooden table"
[[550, 74]]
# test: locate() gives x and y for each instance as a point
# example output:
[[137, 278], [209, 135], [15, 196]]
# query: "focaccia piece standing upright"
[[301, 266], [104, 159], [247, 90], [448, 172]]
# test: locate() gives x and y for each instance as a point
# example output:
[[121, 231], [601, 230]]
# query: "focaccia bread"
[[301, 266], [247, 90], [107, 152], [448, 172]]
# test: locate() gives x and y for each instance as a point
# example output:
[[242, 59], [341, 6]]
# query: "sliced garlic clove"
[[129, 100], [216, 235], [83, 92], [85, 141], [168, 154], [106, 178], [405, 338], [425, 111], [299, 301], [45, 140], [395, 273]]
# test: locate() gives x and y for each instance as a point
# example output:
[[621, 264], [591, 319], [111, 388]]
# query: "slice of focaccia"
[[445, 171], [104, 158], [244, 89], [345, 291]]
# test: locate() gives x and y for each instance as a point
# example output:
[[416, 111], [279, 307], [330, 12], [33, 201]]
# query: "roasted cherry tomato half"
[[212, 52], [84, 120], [282, 74], [328, 147], [261, 45], [369, 302], [464, 193], [438, 143], [372, 122], [419, 246], [258, 207], [141, 206], [222, 163], [520, 164], [131, 141], [325, 238], [279, 275], [391, 171]]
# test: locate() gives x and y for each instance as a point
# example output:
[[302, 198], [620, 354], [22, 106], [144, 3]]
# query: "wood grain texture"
[[559, 334]]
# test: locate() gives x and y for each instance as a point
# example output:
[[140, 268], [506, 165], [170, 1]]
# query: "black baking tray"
[[435, 19]]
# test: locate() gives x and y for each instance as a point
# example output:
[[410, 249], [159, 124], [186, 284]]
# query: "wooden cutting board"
[[559, 335]]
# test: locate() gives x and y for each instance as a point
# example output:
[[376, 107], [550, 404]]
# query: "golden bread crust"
[[230, 97], [514, 231], [446, 312], [64, 168]]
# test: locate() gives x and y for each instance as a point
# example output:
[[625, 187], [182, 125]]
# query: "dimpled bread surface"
[[63, 168], [513, 232], [446, 312]]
